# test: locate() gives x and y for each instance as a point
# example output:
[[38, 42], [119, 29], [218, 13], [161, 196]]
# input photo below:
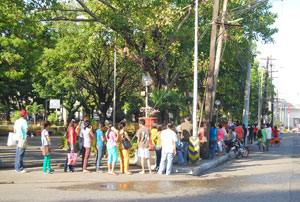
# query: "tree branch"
[[109, 5], [68, 19]]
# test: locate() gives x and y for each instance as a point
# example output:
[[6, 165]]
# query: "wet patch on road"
[[154, 186]]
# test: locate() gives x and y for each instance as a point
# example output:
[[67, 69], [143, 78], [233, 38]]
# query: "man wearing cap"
[[20, 129]]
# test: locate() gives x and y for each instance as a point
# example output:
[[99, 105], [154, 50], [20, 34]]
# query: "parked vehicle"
[[240, 149]]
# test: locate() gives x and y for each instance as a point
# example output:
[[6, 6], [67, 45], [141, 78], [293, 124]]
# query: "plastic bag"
[[72, 158]]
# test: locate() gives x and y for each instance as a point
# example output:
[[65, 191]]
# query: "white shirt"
[[281, 129], [44, 139], [168, 138], [87, 140], [269, 133]]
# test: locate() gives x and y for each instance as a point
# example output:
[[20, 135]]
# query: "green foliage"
[[35, 109], [52, 118], [15, 116]]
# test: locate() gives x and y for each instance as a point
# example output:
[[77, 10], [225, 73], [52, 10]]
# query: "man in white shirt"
[[268, 130], [21, 129], [169, 140]]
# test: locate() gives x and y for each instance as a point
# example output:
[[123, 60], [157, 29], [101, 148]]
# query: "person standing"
[[20, 129], [112, 136], [124, 153], [99, 145], [143, 137], [281, 131], [80, 137], [186, 133], [88, 135], [255, 132], [250, 137], [212, 141], [157, 142], [220, 136], [169, 141], [261, 137], [71, 135], [268, 130], [46, 144]]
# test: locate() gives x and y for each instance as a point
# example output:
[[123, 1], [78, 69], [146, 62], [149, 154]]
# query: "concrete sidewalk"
[[34, 158]]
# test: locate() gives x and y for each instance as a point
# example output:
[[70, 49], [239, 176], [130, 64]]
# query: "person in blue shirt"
[[179, 150], [20, 129], [99, 146], [212, 141]]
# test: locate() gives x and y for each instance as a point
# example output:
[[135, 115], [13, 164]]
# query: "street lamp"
[[146, 81], [217, 102]]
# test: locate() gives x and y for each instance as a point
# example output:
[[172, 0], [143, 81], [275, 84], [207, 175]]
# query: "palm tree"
[[35, 109]]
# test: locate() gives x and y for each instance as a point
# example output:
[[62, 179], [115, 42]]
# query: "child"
[[112, 136], [46, 144]]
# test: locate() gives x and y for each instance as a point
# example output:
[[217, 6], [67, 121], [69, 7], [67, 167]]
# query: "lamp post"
[[146, 81], [217, 102]]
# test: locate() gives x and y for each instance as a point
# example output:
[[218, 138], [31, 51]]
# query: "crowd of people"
[[167, 141]]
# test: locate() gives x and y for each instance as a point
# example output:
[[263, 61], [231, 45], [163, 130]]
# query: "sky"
[[286, 50]]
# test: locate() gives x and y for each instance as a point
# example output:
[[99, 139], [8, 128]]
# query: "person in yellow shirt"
[[155, 136]]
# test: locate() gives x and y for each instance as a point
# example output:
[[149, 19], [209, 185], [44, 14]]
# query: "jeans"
[[124, 160], [185, 150], [47, 163], [85, 157], [268, 144], [99, 157], [212, 148], [180, 156], [166, 163], [80, 139], [19, 159], [158, 157], [261, 145], [71, 168]]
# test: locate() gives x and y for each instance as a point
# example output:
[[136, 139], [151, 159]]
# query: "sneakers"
[[142, 172], [86, 171], [22, 171], [128, 173]]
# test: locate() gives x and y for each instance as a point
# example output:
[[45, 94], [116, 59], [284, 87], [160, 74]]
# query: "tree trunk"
[[210, 76]]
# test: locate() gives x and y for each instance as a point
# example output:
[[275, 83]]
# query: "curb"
[[197, 171]]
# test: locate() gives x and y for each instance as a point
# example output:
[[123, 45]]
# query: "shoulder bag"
[[22, 144]]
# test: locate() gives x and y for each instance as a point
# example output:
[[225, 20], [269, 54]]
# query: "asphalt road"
[[270, 176]]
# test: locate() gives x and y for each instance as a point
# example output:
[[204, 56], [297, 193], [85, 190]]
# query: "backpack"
[[259, 134]]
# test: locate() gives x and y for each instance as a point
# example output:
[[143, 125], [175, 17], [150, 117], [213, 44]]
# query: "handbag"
[[22, 144], [72, 158], [11, 140], [126, 143], [45, 150]]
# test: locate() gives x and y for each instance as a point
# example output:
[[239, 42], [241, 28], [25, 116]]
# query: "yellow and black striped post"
[[194, 148]]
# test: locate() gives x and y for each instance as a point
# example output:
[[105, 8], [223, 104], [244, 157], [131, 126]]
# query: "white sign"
[[54, 104]]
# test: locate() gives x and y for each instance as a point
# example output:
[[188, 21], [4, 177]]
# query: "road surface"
[[272, 176]]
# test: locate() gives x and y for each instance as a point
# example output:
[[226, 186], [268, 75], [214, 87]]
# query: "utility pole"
[[115, 75], [247, 87], [264, 100], [210, 77], [218, 54], [195, 97], [259, 99]]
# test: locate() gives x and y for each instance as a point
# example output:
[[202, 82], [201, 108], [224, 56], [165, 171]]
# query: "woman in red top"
[[275, 131], [71, 135]]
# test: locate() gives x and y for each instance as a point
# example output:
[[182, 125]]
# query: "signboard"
[[289, 108], [54, 104]]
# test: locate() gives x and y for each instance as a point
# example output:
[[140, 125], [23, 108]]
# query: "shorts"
[[112, 155], [143, 153]]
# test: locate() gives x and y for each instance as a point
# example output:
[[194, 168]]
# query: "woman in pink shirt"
[[220, 136], [112, 136]]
